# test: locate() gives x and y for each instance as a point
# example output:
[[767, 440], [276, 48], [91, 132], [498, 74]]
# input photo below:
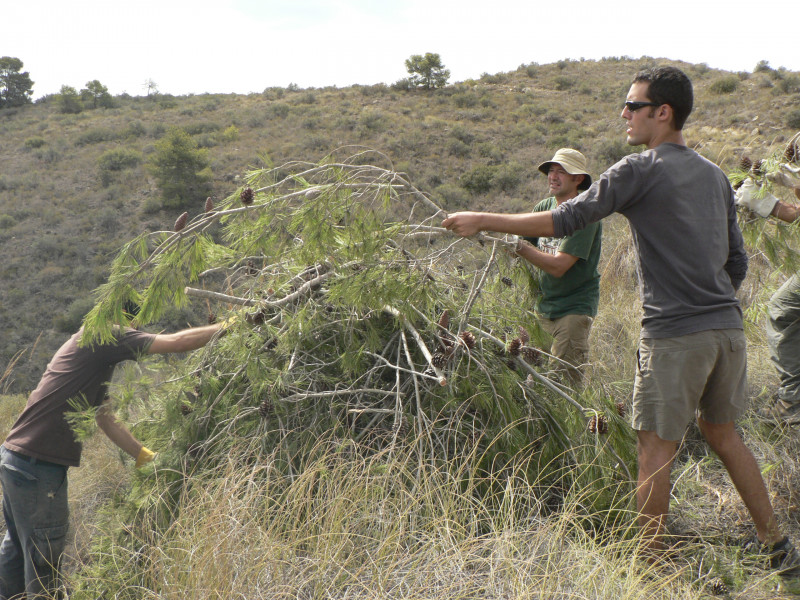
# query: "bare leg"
[[745, 474], [652, 492]]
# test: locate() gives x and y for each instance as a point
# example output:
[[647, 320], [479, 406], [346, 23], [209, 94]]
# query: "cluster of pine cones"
[[519, 346]]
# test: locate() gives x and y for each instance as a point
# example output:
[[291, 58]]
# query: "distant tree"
[[96, 93], [151, 87], [427, 71], [15, 87], [180, 168], [761, 66], [68, 100]]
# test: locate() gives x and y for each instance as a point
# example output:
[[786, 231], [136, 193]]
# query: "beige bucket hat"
[[573, 162]]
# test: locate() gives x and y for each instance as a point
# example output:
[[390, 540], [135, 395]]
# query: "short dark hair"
[[669, 85]]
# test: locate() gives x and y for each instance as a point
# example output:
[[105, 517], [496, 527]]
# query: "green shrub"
[[278, 110], [458, 148], [790, 84], [7, 221], [563, 83], [34, 142], [70, 320], [462, 134], [793, 120], [48, 155], [373, 120], [117, 159], [402, 85], [507, 177], [96, 135], [231, 134], [724, 85], [465, 100], [203, 127], [134, 129], [452, 196], [480, 180]]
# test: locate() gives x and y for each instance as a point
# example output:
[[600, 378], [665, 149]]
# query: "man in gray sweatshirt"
[[691, 260]]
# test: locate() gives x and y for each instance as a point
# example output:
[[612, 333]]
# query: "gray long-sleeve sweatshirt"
[[681, 211]]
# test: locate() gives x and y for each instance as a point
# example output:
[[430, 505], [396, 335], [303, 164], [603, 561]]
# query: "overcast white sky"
[[242, 46]]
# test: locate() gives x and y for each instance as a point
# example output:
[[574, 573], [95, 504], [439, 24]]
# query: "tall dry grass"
[[380, 527]]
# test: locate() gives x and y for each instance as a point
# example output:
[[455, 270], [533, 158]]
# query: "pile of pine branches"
[[352, 315]]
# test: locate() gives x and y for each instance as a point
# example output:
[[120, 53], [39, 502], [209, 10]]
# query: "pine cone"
[[532, 356], [246, 196], [514, 347], [524, 335], [212, 318], [256, 318], [507, 281], [757, 168], [209, 204], [266, 409], [186, 409], [444, 320], [792, 152], [745, 164], [598, 424], [468, 338], [269, 344], [718, 587], [621, 410], [180, 222], [439, 360]]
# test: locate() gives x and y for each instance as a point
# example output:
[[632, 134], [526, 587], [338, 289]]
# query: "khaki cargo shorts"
[[701, 374]]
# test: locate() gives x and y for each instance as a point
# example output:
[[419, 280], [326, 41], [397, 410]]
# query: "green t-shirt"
[[577, 292]]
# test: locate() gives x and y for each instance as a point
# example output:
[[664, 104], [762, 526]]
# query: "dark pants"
[[783, 338], [37, 515]]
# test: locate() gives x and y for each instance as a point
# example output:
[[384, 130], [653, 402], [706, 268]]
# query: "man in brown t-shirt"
[[41, 446]]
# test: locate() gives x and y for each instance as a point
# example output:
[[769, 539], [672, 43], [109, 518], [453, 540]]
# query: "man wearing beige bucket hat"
[[569, 282]]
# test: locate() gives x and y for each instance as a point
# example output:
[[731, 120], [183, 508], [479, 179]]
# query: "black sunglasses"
[[634, 106]]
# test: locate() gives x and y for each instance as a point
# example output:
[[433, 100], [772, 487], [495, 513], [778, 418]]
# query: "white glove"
[[787, 175], [751, 197]]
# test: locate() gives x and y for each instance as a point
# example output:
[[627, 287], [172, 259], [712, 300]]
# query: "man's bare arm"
[[552, 264], [116, 431], [538, 224], [787, 212], [183, 341]]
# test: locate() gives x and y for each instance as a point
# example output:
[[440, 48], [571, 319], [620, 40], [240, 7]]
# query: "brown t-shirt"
[[74, 373]]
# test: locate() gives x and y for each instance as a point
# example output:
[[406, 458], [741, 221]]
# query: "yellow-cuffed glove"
[[145, 456]]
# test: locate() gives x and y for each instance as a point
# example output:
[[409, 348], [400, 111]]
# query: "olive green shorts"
[[701, 374]]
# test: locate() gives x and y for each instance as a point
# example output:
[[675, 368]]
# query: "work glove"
[[752, 198], [228, 322], [145, 456], [787, 175]]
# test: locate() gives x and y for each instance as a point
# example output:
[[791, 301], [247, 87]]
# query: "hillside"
[[352, 463], [471, 144]]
